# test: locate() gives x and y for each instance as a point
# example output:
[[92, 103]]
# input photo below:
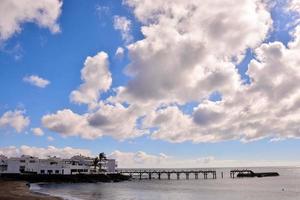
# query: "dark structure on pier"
[[249, 173], [150, 173]]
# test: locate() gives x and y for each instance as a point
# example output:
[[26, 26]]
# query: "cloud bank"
[[66, 152], [138, 159]]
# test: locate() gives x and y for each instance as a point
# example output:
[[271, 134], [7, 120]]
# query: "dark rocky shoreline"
[[19, 190]]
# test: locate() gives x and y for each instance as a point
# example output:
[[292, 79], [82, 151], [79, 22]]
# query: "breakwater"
[[59, 178], [249, 173]]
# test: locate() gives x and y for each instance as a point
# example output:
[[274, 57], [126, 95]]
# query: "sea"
[[284, 187]]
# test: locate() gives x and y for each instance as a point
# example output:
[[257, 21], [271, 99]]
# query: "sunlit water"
[[286, 186]]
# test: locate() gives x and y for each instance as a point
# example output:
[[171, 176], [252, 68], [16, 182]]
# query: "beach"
[[17, 190]]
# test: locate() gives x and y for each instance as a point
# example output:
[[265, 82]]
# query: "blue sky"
[[89, 27]]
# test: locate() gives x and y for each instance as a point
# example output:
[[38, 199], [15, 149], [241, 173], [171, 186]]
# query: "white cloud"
[[64, 121], [119, 52], [123, 25], [294, 5], [102, 10], [13, 13], [265, 108], [138, 159], [14, 119], [96, 78], [50, 139], [37, 131], [189, 45], [112, 120], [104, 117], [41, 152], [36, 81]]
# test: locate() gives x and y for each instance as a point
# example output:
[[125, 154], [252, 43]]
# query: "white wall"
[[111, 165], [13, 166]]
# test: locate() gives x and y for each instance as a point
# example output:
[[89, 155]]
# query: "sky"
[[161, 83]]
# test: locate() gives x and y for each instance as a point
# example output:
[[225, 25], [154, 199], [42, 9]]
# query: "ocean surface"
[[284, 187]]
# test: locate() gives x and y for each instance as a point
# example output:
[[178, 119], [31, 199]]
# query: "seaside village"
[[53, 165]]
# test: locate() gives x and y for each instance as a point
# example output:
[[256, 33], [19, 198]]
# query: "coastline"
[[17, 190]]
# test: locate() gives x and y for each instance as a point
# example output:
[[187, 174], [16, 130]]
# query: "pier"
[[160, 173]]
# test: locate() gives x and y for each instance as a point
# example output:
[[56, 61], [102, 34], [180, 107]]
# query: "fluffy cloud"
[[14, 119], [267, 107], [119, 52], [37, 131], [113, 120], [50, 139], [189, 45], [294, 5], [14, 13], [36, 81], [123, 25], [66, 152], [104, 117], [137, 159], [173, 125], [96, 78], [64, 121]]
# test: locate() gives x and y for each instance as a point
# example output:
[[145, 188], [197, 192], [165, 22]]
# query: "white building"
[[54, 165]]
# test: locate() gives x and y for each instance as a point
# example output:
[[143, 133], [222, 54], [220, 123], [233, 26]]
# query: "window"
[[42, 171], [22, 161], [32, 161], [3, 168], [56, 171], [50, 171], [22, 169]]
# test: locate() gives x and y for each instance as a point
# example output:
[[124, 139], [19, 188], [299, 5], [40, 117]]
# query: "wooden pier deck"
[[159, 173]]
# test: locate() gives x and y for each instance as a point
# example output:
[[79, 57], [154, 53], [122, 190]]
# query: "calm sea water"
[[286, 186]]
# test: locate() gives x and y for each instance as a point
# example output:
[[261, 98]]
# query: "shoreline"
[[17, 190]]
